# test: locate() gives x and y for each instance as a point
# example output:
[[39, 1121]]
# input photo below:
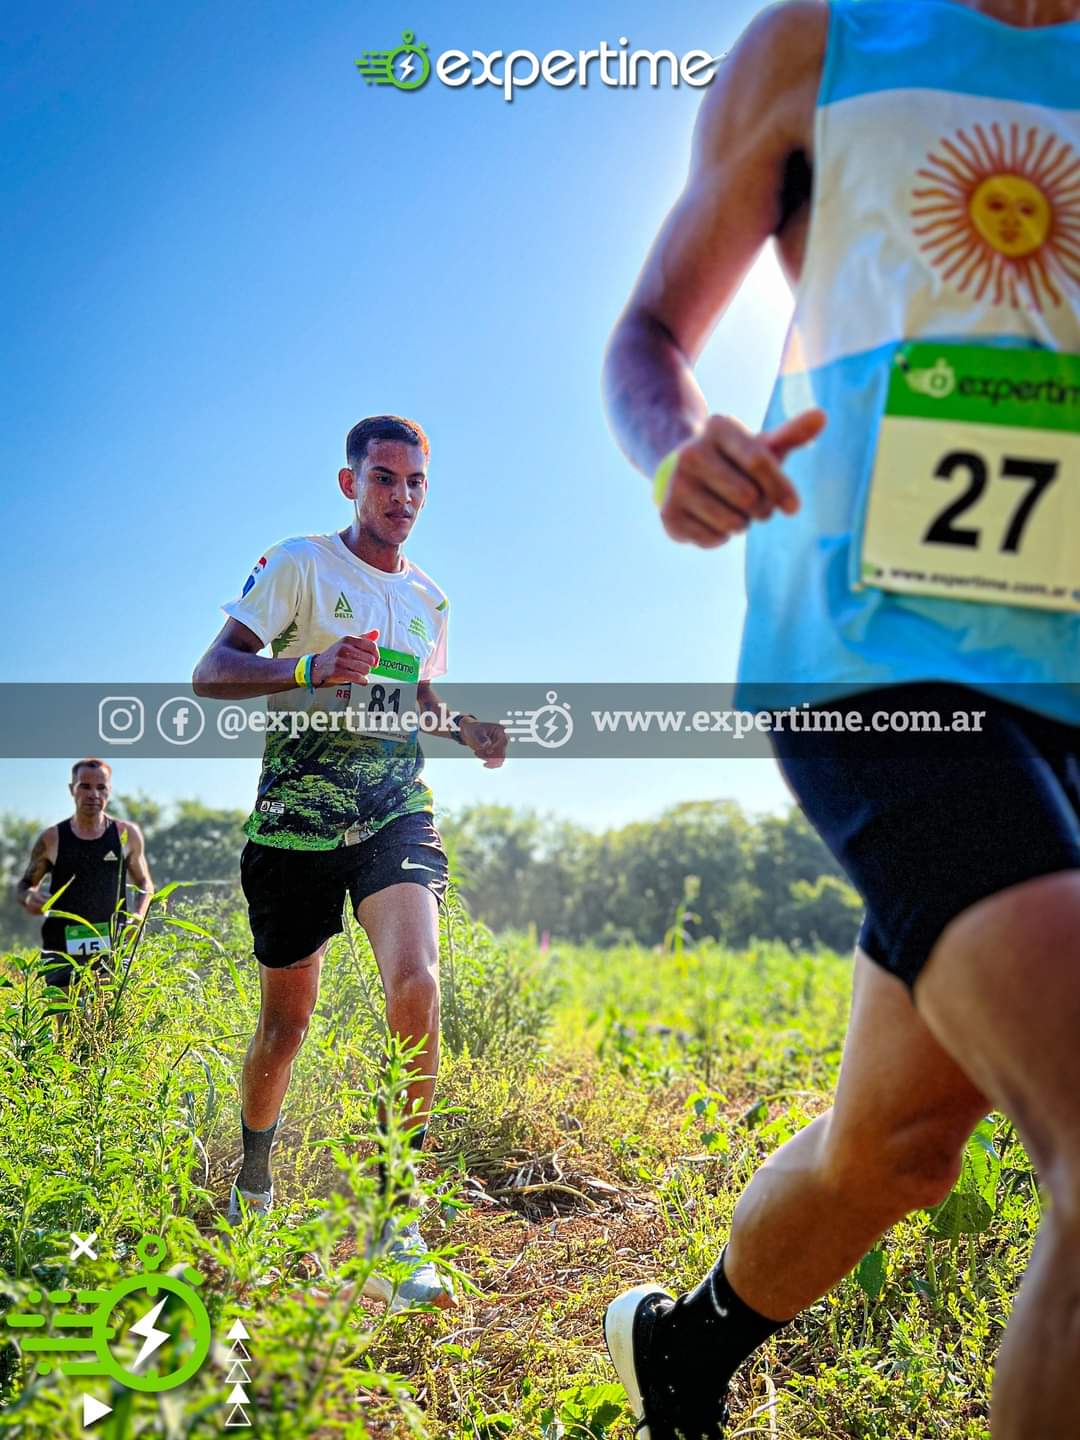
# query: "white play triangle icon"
[[93, 1410]]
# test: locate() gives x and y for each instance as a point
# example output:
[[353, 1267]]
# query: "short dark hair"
[[382, 427], [92, 764]]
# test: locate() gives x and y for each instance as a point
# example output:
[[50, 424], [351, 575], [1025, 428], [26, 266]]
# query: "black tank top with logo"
[[97, 870]]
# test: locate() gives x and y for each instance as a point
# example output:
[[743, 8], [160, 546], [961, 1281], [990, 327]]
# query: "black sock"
[[700, 1341], [255, 1171], [416, 1142]]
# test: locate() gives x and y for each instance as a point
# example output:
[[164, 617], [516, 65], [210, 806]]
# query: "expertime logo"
[[408, 67]]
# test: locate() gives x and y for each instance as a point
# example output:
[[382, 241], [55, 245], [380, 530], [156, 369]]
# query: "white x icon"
[[83, 1247]]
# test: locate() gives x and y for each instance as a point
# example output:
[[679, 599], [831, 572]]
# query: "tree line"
[[707, 864], [729, 876]]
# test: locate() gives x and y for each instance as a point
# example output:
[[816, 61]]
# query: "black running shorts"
[[60, 970], [295, 897], [926, 826]]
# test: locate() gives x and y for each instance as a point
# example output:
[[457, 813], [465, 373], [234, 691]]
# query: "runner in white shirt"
[[319, 790], [338, 811]]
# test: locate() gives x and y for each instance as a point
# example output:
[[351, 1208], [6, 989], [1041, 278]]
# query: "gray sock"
[[255, 1171]]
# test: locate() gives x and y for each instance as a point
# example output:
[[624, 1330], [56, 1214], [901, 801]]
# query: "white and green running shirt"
[[324, 787]]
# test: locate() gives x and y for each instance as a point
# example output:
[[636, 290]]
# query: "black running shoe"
[[628, 1330]]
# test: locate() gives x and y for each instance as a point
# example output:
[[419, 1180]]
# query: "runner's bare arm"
[[42, 858], [233, 669], [485, 738], [755, 122], [137, 865]]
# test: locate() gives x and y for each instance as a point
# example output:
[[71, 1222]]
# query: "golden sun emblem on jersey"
[[999, 215]]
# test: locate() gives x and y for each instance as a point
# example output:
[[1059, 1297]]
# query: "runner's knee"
[[283, 1034], [991, 976], [414, 987], [1040, 914], [907, 1166]]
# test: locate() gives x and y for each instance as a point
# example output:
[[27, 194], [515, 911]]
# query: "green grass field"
[[601, 1110]]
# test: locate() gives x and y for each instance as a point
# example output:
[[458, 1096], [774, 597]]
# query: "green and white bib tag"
[[85, 940], [391, 692], [975, 493], [397, 665]]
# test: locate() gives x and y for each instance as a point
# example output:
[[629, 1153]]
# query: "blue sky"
[[224, 249]]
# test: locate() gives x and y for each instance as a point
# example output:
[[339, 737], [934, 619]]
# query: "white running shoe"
[[422, 1286]]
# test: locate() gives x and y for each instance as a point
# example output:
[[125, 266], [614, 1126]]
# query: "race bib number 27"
[[975, 492]]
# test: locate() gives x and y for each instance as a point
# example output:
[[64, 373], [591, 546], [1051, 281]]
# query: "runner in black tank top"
[[93, 855], [97, 872]]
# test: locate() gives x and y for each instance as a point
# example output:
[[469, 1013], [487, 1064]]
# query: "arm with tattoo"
[[42, 857]]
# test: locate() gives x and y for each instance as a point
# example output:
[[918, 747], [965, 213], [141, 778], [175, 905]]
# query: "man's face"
[[90, 789], [390, 489]]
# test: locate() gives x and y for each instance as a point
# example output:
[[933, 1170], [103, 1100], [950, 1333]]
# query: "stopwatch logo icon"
[[550, 726], [938, 380], [406, 68], [192, 1333], [147, 1313]]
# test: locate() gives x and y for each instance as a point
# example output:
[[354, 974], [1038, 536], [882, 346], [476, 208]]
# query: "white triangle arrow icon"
[[238, 1395], [238, 1332], [93, 1410]]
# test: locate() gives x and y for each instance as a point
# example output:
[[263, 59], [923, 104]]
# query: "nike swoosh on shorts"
[[408, 864]]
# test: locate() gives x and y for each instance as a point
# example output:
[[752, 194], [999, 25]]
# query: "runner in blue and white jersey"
[[912, 509]]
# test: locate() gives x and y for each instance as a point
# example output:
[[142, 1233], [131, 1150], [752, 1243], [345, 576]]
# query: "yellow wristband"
[[301, 674], [662, 475]]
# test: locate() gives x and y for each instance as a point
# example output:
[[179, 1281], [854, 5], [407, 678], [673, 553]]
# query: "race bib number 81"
[[975, 492]]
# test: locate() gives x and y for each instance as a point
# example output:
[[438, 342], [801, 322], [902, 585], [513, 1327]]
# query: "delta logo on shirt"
[[250, 581]]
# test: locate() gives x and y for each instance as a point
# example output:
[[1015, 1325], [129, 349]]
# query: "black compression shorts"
[[927, 826]]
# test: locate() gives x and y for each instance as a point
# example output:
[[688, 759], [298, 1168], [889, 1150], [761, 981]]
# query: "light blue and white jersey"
[[945, 223]]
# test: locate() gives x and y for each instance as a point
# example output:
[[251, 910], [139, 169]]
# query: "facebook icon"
[[180, 720]]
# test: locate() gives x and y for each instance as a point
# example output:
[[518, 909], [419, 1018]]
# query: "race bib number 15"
[[85, 940], [975, 492]]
